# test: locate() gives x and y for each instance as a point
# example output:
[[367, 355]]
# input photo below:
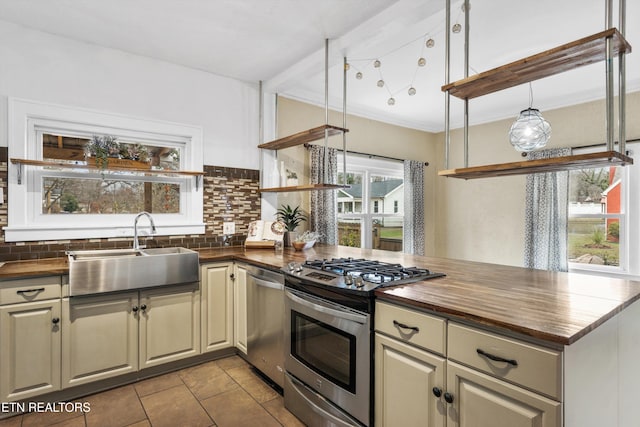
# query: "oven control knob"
[[359, 282], [348, 279], [294, 267]]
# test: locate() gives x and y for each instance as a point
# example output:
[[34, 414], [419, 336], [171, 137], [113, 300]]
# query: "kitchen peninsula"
[[590, 323]]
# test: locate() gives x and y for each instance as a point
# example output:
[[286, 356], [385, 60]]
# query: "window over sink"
[[63, 200], [123, 193]]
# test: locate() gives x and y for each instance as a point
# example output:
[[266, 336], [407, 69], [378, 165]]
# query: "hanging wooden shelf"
[[303, 137], [306, 187], [123, 168], [556, 164], [585, 51], [109, 168]]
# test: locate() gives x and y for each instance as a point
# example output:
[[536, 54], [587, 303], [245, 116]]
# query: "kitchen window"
[[57, 201], [120, 193], [603, 224], [370, 212]]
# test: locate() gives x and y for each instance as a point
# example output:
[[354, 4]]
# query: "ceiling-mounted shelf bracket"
[[602, 46], [323, 132], [19, 173]]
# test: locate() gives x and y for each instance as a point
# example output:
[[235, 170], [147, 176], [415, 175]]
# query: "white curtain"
[[413, 230], [322, 215], [546, 216]]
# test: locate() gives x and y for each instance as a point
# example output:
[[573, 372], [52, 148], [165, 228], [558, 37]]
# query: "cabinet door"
[[169, 324], [99, 337], [240, 308], [29, 349], [217, 306], [404, 382], [483, 401]]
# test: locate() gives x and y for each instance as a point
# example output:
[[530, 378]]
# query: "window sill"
[[602, 270], [48, 233]]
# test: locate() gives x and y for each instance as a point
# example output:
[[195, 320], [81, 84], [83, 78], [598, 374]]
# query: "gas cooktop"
[[358, 274]]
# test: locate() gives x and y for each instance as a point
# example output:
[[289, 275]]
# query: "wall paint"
[[476, 220], [367, 136], [48, 68], [483, 219]]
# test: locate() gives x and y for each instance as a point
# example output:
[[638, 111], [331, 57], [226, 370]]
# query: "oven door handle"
[[358, 318]]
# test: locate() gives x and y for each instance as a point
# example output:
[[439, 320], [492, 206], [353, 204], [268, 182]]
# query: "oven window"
[[326, 350]]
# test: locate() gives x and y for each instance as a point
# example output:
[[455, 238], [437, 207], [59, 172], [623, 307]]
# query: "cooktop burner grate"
[[377, 272]]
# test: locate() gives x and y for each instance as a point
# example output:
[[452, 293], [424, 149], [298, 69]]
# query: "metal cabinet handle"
[[496, 358], [143, 307], [437, 392], [134, 308], [403, 326], [55, 320], [448, 397], [28, 291]]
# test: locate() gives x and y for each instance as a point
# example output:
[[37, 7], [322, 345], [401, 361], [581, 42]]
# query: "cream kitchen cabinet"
[[483, 401], [240, 307], [114, 334], [490, 381], [217, 289], [100, 337], [405, 377], [29, 337], [169, 324]]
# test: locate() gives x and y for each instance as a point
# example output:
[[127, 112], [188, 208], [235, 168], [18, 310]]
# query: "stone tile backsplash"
[[230, 194]]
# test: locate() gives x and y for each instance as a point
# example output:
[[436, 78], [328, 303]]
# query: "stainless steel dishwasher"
[[265, 322]]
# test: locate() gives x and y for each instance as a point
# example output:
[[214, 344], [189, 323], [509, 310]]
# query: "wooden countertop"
[[555, 307]]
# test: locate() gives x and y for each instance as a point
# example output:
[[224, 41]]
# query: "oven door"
[[329, 351]]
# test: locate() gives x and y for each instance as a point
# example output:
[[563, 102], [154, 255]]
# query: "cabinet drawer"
[[531, 366], [411, 326], [27, 290]]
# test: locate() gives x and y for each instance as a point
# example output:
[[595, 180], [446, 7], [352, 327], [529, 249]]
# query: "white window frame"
[[629, 245], [367, 167], [28, 120]]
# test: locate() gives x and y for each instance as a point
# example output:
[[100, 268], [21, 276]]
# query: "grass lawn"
[[576, 247], [391, 233]]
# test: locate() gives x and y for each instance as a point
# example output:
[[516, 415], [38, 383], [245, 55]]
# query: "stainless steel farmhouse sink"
[[109, 270]]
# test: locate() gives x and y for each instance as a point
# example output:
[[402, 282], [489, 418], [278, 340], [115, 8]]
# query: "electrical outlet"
[[228, 227]]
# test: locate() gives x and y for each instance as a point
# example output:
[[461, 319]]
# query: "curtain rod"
[[584, 147], [603, 144], [378, 156]]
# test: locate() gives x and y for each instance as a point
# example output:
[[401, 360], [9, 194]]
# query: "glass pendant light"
[[530, 131]]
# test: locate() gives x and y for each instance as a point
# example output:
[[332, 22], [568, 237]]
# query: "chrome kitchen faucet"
[[136, 244]]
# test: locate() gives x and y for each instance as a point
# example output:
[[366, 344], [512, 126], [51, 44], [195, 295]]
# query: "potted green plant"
[[102, 148], [291, 217]]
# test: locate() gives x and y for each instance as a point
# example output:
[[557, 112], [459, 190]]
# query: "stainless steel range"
[[329, 307]]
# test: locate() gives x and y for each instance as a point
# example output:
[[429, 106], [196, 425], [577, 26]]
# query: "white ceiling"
[[281, 43]]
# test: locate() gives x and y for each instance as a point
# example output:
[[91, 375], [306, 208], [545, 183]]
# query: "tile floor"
[[225, 392]]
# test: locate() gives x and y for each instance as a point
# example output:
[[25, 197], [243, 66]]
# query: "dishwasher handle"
[[265, 283]]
